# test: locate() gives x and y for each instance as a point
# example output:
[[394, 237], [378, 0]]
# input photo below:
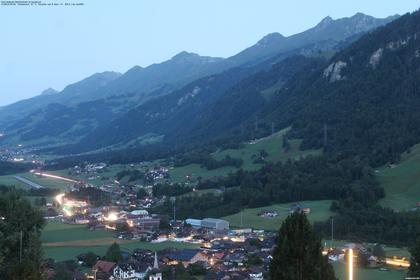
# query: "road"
[[30, 183]]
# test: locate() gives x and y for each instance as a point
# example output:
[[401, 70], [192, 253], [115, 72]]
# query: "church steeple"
[[156, 263]]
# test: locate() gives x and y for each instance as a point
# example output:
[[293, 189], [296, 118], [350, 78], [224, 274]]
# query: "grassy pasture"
[[271, 144], [402, 182], [368, 273], [62, 241], [320, 211]]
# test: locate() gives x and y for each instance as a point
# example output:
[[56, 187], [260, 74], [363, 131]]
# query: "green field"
[[195, 170], [271, 144], [402, 182], [61, 253], [63, 241], [368, 273], [56, 231], [320, 211]]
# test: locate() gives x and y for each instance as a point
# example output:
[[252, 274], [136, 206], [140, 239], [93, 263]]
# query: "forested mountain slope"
[[367, 96], [103, 97], [203, 110]]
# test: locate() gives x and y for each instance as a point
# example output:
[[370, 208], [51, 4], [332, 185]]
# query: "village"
[[122, 203], [220, 252]]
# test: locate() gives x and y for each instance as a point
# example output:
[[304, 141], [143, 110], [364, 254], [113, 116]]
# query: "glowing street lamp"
[[59, 198], [112, 216], [350, 263]]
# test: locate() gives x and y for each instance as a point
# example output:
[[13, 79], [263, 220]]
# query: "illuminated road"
[[55, 177], [30, 183]]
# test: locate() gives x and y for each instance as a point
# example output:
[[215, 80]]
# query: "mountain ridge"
[[138, 85]]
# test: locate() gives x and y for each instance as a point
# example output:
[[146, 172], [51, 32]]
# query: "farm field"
[[271, 144], [320, 211], [402, 182], [195, 170], [62, 241], [61, 253], [368, 273], [56, 231]]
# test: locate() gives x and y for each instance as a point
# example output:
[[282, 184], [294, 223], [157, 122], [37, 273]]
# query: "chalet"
[[103, 269], [156, 276], [255, 273], [236, 257], [131, 271]]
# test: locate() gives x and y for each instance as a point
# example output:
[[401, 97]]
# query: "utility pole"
[[20, 249], [325, 136], [332, 232], [174, 215], [173, 199], [256, 123]]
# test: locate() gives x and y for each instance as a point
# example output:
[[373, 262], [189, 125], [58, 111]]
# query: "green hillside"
[[320, 211], [248, 153], [402, 181]]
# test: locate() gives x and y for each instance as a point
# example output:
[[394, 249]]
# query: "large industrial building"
[[210, 223]]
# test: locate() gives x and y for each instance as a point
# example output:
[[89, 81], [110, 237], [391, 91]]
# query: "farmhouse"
[[103, 269]]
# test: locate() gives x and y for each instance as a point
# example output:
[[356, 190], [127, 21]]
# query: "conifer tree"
[[298, 254], [414, 270], [20, 247], [113, 254]]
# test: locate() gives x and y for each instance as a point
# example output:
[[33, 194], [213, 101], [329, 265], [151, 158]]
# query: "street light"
[[350, 262]]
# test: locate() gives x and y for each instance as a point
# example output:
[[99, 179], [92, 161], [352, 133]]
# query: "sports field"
[[320, 211], [402, 182]]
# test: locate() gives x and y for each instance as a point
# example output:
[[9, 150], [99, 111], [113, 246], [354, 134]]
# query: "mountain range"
[[154, 104]]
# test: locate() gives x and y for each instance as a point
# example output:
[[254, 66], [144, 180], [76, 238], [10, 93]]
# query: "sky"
[[53, 46]]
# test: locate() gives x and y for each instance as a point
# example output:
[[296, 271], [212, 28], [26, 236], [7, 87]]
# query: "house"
[[145, 223], [131, 271], [156, 276], [186, 257], [103, 269], [256, 273], [124, 271]]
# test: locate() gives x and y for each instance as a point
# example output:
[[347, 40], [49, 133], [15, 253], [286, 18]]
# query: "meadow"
[[368, 273], [320, 211], [248, 152], [402, 182], [63, 241]]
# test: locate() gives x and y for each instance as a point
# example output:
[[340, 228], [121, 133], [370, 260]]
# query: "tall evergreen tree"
[[414, 270], [114, 253], [20, 247], [298, 254]]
